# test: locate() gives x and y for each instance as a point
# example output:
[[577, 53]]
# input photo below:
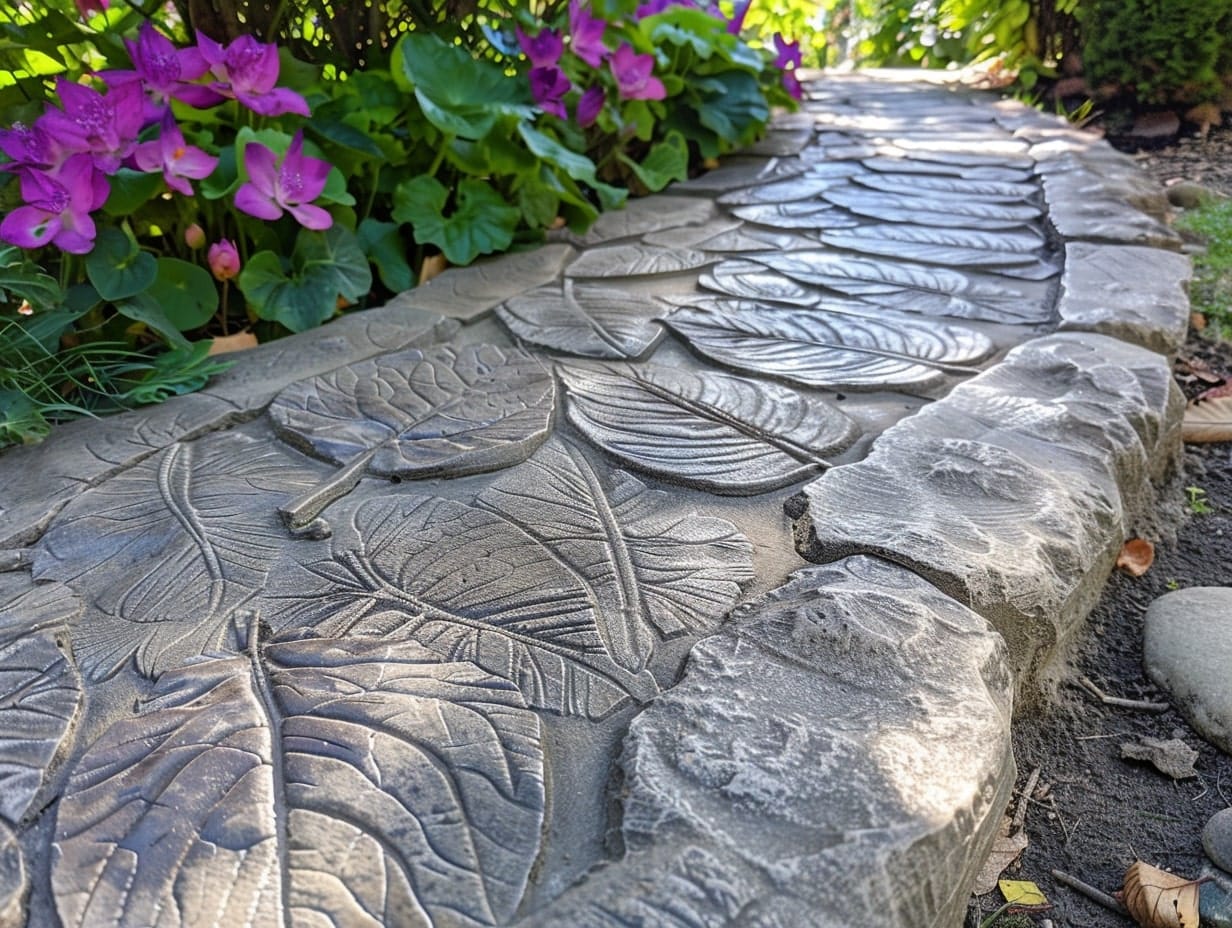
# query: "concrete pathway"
[[494, 606]]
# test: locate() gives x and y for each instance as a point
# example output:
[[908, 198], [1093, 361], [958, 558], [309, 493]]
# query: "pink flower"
[[586, 35], [58, 207], [85, 8], [223, 259], [548, 86], [544, 50], [104, 126], [247, 71], [634, 80], [30, 147], [165, 72], [174, 157], [290, 185], [589, 106], [194, 236], [788, 52]]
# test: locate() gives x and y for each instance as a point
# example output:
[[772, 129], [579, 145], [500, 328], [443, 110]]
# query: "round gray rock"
[[1187, 649], [1217, 839]]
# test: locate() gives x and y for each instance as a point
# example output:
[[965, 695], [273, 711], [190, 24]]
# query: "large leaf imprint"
[[469, 584], [443, 411], [1014, 254], [40, 690], [307, 782], [165, 551], [830, 349], [917, 288], [722, 433], [596, 322], [649, 571]]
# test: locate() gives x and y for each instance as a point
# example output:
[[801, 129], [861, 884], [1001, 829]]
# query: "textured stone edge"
[[838, 811]]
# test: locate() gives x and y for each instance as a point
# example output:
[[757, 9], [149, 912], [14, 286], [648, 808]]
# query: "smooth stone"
[[1217, 839], [1215, 900], [1187, 649], [1188, 195]]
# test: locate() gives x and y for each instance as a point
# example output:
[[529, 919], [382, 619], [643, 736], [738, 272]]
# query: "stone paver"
[[482, 609], [1187, 649]]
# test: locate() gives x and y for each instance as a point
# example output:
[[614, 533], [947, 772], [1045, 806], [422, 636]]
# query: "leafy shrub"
[[475, 137], [1158, 50]]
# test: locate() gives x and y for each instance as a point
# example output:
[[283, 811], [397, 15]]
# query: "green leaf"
[[186, 293], [224, 180], [579, 167], [738, 110], [131, 190], [384, 247], [481, 223], [22, 279], [664, 163], [323, 266], [117, 267], [142, 307]]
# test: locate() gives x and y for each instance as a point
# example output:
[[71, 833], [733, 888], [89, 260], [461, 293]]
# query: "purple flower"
[[586, 35], [58, 207], [634, 80], [544, 50], [104, 126], [589, 106], [247, 71], [87, 7], [792, 84], [654, 7], [290, 185], [737, 20], [174, 157], [547, 86], [165, 71], [789, 52], [30, 147], [223, 259]]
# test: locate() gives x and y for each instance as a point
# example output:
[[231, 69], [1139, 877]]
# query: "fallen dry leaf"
[[1172, 757], [1022, 892], [1208, 419], [240, 341], [1198, 321], [1136, 557], [432, 266], [1158, 899], [1005, 850]]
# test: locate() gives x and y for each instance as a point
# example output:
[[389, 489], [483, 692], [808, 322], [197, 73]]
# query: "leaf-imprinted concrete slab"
[[875, 682], [40, 689], [1019, 484], [349, 782], [14, 881]]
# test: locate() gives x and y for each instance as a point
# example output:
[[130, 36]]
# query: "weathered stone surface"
[[36, 481], [1072, 151], [1080, 207], [742, 171], [468, 292], [789, 141], [588, 320], [638, 217], [14, 882], [40, 690], [933, 209], [1132, 293], [1021, 485], [637, 259], [876, 683], [338, 780], [1217, 839], [728, 236], [1187, 649]]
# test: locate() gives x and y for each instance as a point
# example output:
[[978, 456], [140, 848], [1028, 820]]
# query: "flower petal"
[[29, 227], [250, 200], [275, 102], [262, 166], [310, 217]]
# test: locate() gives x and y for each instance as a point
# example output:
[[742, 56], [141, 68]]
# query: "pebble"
[[1188, 195], [1214, 902], [1187, 650], [1217, 839]]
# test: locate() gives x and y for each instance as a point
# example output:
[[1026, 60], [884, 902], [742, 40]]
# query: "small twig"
[[1020, 814], [1086, 889], [1107, 700], [1115, 734]]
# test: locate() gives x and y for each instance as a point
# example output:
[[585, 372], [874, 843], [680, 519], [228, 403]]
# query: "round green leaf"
[[481, 223], [384, 247], [186, 293], [117, 267], [130, 190]]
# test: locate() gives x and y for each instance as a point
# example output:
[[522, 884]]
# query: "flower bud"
[[194, 236], [224, 259]]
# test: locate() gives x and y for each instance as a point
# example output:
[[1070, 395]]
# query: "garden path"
[[687, 572]]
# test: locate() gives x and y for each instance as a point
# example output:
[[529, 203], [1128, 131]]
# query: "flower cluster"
[[64, 159]]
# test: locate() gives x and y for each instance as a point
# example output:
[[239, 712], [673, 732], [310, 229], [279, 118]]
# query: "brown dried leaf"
[[1158, 899], [1172, 757], [1136, 557], [1208, 418], [432, 266], [240, 341], [1005, 850]]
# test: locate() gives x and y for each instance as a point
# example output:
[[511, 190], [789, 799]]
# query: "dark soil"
[[1092, 814]]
